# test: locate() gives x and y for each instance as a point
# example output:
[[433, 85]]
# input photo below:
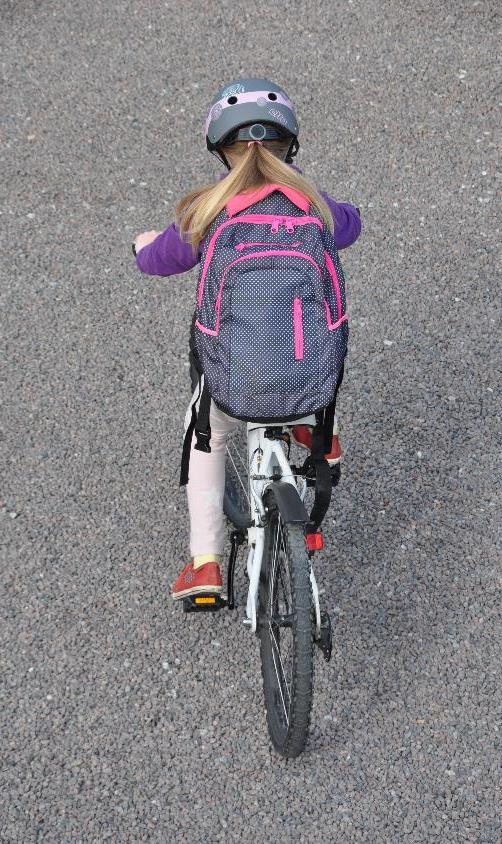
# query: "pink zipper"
[[298, 327], [332, 325], [336, 284], [214, 331], [242, 246], [274, 221]]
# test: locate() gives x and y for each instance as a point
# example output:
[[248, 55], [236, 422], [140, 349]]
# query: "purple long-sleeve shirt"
[[168, 254]]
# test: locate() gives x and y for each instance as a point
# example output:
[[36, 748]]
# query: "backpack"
[[270, 330]]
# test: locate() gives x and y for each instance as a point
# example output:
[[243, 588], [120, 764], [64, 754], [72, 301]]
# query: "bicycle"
[[265, 501]]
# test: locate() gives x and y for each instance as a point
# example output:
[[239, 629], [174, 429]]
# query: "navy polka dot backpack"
[[270, 329]]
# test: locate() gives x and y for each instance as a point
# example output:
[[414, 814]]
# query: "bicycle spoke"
[[285, 649], [238, 475], [281, 573], [239, 455], [274, 559], [283, 620], [279, 683]]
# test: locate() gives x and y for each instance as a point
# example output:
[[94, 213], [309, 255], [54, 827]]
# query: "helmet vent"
[[272, 96], [233, 100]]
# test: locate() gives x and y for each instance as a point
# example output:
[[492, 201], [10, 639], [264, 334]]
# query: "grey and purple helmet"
[[251, 110]]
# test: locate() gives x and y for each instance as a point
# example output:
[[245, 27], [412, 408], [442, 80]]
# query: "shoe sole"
[[197, 590]]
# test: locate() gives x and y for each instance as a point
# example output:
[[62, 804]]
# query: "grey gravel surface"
[[121, 719]]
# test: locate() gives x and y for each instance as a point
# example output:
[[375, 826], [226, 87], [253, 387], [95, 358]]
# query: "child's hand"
[[144, 239]]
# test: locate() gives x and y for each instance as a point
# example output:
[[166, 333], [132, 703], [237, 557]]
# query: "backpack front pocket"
[[212, 316], [267, 332]]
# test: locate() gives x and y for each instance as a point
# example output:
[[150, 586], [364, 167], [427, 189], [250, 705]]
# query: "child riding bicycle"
[[253, 129]]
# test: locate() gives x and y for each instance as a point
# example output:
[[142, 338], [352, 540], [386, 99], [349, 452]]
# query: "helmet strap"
[[221, 157], [292, 151]]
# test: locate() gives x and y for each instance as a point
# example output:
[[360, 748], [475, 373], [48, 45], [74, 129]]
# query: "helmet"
[[251, 110]]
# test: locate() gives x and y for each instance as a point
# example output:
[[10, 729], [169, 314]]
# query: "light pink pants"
[[206, 485]]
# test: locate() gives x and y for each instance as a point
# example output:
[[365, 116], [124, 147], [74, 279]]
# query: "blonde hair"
[[256, 166]]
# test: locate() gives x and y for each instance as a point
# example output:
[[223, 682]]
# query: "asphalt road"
[[121, 719]]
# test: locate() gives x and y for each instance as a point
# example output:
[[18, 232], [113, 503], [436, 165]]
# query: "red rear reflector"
[[314, 541]]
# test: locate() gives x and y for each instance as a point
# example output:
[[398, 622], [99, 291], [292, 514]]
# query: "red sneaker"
[[206, 578], [302, 434]]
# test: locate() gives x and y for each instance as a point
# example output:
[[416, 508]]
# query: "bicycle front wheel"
[[286, 633]]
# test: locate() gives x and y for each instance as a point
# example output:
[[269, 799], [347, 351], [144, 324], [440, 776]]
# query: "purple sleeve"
[[167, 255], [347, 221]]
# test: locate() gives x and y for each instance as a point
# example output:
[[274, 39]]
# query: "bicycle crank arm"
[[237, 538]]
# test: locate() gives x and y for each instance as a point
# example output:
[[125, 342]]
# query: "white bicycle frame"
[[266, 458]]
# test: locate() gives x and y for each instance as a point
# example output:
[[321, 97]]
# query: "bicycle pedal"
[[204, 603]]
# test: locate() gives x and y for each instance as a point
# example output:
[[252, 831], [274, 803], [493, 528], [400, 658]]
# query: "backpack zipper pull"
[[289, 226], [274, 228]]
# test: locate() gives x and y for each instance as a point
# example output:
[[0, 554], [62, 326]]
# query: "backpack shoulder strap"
[[199, 423], [321, 445], [317, 461]]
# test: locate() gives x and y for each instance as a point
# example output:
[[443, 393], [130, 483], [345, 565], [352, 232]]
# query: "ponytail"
[[256, 167]]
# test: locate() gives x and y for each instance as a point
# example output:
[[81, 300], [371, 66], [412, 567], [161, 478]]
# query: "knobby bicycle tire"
[[288, 712]]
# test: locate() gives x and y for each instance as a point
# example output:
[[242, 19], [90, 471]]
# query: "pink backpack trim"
[[244, 200]]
